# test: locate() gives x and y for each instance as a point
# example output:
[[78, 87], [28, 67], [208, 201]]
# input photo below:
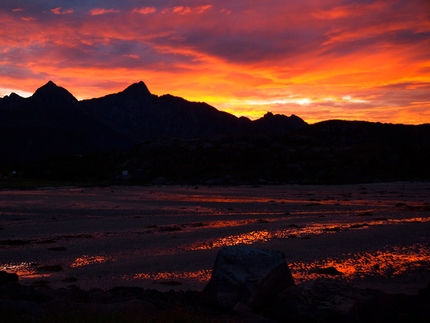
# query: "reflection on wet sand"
[[86, 260], [388, 263], [24, 270], [295, 231], [385, 263], [380, 263], [199, 275], [120, 230], [244, 238]]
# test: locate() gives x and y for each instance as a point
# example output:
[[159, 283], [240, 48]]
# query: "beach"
[[167, 237]]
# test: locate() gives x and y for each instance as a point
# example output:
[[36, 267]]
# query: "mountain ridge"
[[53, 122], [167, 139]]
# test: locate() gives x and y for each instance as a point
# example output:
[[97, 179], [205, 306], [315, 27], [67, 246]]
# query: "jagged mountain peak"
[[121, 120], [51, 90], [11, 101], [138, 89], [50, 86], [14, 96], [50, 83]]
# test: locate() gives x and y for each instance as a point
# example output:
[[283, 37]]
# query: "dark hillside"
[[326, 153], [52, 123]]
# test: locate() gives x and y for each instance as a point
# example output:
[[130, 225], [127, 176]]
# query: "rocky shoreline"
[[240, 290]]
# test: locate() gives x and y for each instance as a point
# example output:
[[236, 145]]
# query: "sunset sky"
[[318, 59]]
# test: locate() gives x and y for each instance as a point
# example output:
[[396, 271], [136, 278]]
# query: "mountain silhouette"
[[11, 101], [167, 139], [52, 122], [52, 94]]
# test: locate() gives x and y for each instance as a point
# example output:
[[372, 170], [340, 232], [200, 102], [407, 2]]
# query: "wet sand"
[[377, 235]]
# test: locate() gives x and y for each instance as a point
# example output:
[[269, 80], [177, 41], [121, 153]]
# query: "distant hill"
[[52, 122], [330, 152]]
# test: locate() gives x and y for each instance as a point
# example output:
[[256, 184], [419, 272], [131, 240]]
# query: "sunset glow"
[[329, 59], [88, 260], [378, 263], [23, 270]]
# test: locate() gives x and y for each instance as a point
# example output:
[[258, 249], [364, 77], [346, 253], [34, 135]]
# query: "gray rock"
[[247, 275]]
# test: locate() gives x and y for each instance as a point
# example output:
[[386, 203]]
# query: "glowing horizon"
[[329, 59]]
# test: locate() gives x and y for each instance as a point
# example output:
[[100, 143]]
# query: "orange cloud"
[[181, 10], [28, 18], [58, 11], [101, 11], [351, 10], [145, 10], [202, 9]]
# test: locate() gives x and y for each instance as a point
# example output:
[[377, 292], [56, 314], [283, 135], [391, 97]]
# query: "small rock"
[[50, 268], [365, 214], [333, 229], [332, 271], [17, 242], [169, 283], [169, 228], [47, 241], [57, 249], [6, 277]]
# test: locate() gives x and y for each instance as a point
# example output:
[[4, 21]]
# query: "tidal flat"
[[167, 237]]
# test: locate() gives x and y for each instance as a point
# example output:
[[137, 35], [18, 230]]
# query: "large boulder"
[[244, 275]]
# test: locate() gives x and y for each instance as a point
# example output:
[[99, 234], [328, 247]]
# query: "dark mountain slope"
[[329, 152], [10, 101], [339, 133], [364, 151], [53, 123], [332, 152], [276, 124], [142, 115]]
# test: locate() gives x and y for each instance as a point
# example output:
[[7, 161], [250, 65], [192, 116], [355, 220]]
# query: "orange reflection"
[[293, 231], [245, 238], [265, 235], [23, 270], [199, 275], [88, 260], [386, 263]]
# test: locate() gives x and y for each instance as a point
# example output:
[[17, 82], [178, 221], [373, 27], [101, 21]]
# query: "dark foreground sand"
[[377, 235]]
